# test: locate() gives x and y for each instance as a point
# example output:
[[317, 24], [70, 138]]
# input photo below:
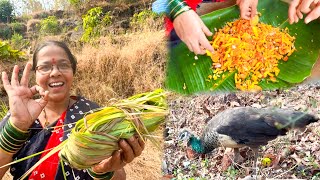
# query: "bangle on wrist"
[[103, 176], [12, 138], [176, 7]]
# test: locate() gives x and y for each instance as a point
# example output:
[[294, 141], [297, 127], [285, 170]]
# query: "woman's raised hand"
[[23, 108]]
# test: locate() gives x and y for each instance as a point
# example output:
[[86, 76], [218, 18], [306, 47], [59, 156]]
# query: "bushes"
[[49, 25], [146, 19], [18, 27], [7, 53], [3, 109], [93, 21], [18, 42], [141, 17], [5, 32]]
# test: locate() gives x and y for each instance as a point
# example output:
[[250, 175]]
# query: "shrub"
[[141, 17], [3, 109], [18, 27], [5, 32], [50, 25], [18, 42], [146, 19], [6, 9], [7, 53], [93, 21]]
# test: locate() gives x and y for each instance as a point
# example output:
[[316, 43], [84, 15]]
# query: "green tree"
[[6, 9], [49, 25], [93, 21]]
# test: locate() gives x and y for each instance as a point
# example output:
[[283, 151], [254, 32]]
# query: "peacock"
[[245, 126]]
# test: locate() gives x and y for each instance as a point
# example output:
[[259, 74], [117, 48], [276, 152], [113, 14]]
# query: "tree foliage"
[[7, 53], [93, 21], [6, 9], [49, 25]]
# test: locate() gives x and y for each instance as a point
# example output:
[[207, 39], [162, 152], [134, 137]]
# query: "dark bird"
[[246, 126]]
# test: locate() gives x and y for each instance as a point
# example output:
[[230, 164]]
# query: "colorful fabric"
[[41, 172], [39, 138], [160, 6]]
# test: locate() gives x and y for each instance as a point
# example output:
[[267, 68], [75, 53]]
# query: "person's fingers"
[[248, 15], [25, 76], [314, 14], [15, 76], [245, 14], [110, 164], [43, 93], [189, 46], [296, 20], [5, 81], [134, 143], [292, 11], [299, 14], [128, 154], [205, 44], [196, 47], [36, 89], [141, 143], [45, 96], [205, 29], [304, 7], [254, 8]]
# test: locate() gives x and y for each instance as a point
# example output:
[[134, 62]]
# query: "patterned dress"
[[40, 137]]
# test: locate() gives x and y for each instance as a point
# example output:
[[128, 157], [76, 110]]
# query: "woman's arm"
[[23, 112], [5, 159]]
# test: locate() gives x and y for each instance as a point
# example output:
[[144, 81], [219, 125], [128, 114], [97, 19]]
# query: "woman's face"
[[54, 72]]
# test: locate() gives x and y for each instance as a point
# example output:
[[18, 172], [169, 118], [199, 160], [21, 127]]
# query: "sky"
[[20, 6]]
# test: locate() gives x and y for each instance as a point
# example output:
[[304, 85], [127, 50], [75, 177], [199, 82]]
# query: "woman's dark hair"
[[71, 57]]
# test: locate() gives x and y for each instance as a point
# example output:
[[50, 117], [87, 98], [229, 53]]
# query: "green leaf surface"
[[189, 75]]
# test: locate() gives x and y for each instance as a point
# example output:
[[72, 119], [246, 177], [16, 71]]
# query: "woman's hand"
[[192, 31], [248, 8], [129, 149], [297, 8], [23, 108]]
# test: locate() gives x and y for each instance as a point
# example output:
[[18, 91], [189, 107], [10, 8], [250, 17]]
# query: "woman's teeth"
[[56, 84]]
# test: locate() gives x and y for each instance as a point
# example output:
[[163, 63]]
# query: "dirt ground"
[[147, 166]]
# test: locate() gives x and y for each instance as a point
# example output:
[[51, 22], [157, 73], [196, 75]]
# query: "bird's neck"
[[210, 141], [196, 145]]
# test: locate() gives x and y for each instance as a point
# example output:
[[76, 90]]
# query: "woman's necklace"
[[47, 123]]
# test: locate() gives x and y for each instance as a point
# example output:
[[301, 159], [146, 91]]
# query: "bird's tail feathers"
[[294, 120]]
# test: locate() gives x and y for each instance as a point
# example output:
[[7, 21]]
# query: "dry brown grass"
[[122, 66], [147, 166], [32, 24]]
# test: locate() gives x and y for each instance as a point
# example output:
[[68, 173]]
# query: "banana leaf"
[[189, 75]]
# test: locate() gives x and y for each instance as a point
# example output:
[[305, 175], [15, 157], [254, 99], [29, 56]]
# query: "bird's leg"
[[236, 155], [255, 151]]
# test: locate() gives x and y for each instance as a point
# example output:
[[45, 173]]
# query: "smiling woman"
[[35, 125]]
